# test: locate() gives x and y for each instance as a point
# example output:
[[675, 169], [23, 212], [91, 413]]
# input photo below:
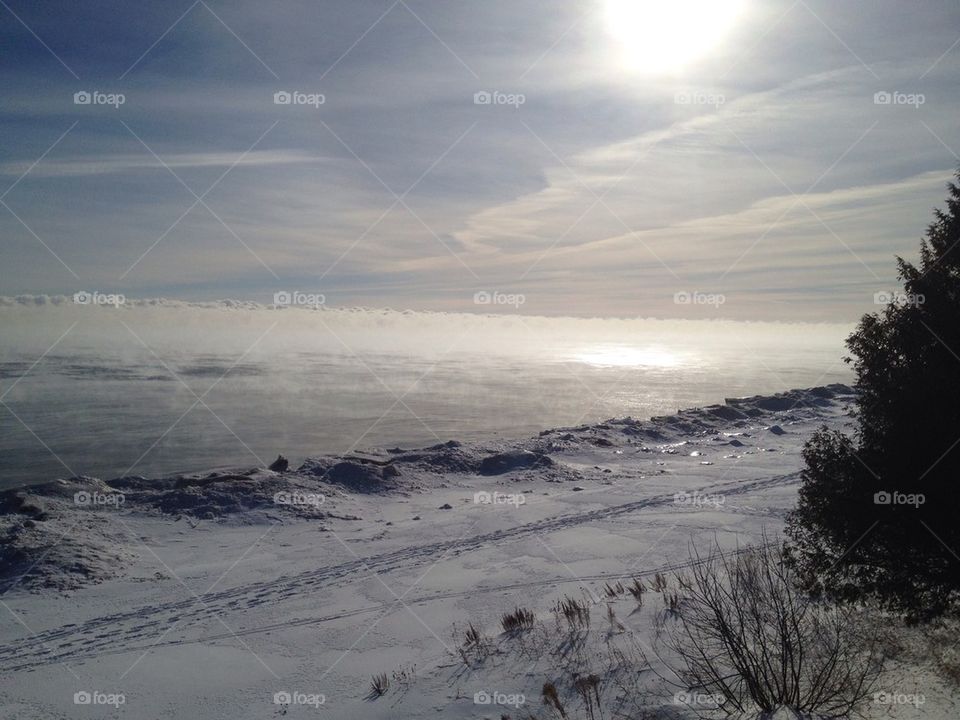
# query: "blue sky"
[[757, 166]]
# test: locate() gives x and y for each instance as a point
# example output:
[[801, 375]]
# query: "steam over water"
[[159, 389]]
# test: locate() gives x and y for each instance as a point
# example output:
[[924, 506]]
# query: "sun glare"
[[663, 36], [624, 356]]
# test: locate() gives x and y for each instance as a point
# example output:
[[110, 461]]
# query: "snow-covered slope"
[[249, 593]]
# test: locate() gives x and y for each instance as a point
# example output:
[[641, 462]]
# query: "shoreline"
[[728, 410], [330, 490]]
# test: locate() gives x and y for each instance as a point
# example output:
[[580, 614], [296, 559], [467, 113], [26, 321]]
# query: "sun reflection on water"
[[628, 356]]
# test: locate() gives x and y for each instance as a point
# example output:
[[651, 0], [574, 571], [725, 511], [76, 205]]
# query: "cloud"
[[689, 194], [115, 164]]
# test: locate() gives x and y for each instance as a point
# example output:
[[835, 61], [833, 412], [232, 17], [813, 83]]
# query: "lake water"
[[153, 390]]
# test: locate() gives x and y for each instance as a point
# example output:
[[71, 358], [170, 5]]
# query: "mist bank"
[[120, 324]]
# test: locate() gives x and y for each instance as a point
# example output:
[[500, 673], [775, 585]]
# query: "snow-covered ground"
[[248, 593]]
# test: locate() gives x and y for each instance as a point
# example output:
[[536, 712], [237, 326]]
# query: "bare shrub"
[[637, 589], [379, 684], [404, 675], [745, 634], [672, 602], [551, 698], [615, 625], [517, 621], [941, 644], [575, 612], [473, 642], [588, 688], [613, 591], [473, 638], [659, 582]]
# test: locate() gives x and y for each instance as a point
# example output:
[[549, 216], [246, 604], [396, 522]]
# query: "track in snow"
[[103, 635]]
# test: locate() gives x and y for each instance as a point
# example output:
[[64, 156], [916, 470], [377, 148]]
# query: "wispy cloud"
[[112, 164]]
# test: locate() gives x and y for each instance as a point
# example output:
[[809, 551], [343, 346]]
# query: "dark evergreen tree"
[[879, 513]]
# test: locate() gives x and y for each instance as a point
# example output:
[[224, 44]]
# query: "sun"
[[663, 36]]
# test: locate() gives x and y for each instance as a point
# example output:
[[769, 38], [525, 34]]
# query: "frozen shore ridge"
[[34, 518]]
